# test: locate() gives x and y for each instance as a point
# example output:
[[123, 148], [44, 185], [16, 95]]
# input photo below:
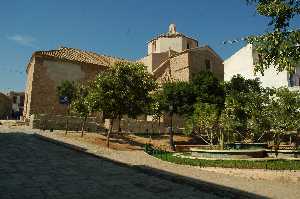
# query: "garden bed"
[[255, 163]]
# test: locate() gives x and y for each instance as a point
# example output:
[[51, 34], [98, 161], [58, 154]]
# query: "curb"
[[221, 191]]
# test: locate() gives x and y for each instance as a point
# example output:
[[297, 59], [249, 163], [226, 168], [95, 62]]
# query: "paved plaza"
[[32, 168]]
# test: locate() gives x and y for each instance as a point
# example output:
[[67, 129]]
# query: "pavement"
[[33, 168]]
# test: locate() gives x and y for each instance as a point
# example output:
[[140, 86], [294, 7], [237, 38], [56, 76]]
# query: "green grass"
[[273, 164]]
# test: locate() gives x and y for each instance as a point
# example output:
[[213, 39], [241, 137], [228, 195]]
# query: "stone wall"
[[44, 75], [129, 125], [58, 122], [28, 89], [197, 62], [180, 67]]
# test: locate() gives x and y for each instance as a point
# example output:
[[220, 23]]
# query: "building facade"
[[243, 61], [5, 107], [174, 56], [171, 56], [47, 69], [17, 100]]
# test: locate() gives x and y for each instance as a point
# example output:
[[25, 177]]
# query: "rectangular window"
[[187, 46], [207, 64], [154, 46]]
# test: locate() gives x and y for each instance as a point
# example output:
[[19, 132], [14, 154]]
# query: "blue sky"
[[118, 28]]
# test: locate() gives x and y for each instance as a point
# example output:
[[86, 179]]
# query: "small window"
[[207, 64], [154, 46], [187, 46]]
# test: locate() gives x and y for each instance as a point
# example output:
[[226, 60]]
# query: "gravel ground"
[[272, 184]]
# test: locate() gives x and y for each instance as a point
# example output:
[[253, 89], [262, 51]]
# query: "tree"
[[66, 91], [208, 88], [259, 122], [209, 93], [238, 93], [80, 104], [156, 106], [178, 98], [281, 46], [207, 118], [284, 112], [124, 89]]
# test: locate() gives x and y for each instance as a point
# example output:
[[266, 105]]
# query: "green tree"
[[208, 88], [156, 107], [178, 98], [259, 122], [207, 116], [238, 93], [80, 104], [284, 112], [67, 90], [281, 46], [209, 93], [124, 89]]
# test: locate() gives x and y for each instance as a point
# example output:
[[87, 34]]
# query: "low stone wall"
[[129, 125], [58, 122]]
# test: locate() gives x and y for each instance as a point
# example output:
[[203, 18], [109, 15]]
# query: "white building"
[[243, 61]]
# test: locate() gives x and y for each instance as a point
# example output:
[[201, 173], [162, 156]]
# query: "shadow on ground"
[[33, 168]]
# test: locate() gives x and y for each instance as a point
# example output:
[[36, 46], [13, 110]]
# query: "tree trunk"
[[221, 139], [159, 125], [83, 125], [119, 126], [67, 121], [211, 137], [276, 144], [171, 135], [108, 134]]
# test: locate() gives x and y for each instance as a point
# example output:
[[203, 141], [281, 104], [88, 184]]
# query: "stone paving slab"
[[32, 168]]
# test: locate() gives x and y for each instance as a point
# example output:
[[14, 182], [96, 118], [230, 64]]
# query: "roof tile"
[[78, 55]]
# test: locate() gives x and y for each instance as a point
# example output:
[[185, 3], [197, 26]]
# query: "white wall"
[[239, 63], [242, 62]]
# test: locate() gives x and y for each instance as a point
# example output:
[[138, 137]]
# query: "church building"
[[171, 56], [174, 56]]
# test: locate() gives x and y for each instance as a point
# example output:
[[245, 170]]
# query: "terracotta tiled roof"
[[72, 54]]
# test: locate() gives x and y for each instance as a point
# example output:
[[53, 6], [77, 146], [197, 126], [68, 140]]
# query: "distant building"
[[174, 56], [5, 107], [17, 100], [243, 61]]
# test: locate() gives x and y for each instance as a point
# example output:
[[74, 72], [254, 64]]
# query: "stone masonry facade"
[[171, 57], [45, 73]]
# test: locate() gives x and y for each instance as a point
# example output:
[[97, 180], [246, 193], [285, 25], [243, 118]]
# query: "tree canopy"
[[280, 47], [124, 89]]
